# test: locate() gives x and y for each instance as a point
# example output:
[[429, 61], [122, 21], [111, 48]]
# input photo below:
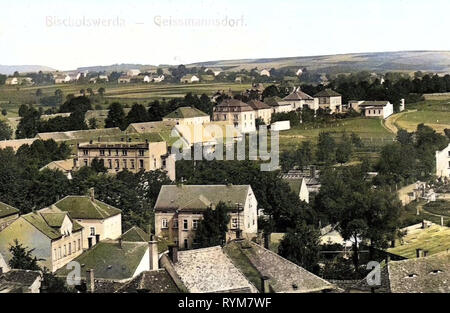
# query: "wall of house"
[[244, 121], [110, 228], [28, 236], [190, 121], [265, 115], [6, 221], [443, 162], [60, 252]]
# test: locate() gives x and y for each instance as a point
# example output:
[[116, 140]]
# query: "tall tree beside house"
[[28, 125], [22, 257], [212, 229], [5, 131], [301, 246], [82, 104], [116, 116], [326, 147], [4, 112]]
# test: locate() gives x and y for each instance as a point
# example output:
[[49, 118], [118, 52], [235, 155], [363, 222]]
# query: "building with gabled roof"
[[329, 99], [298, 186], [382, 109], [278, 274], [298, 100], [100, 220], [135, 234], [56, 239], [210, 270], [178, 210], [158, 281], [20, 281], [443, 163], [187, 115], [65, 166], [239, 114], [8, 214], [262, 110], [189, 78]]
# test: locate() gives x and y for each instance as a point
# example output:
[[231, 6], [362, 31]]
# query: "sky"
[[70, 34]]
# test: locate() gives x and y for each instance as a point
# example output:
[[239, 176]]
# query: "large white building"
[[443, 162], [236, 112]]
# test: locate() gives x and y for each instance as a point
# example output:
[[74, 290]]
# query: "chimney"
[[90, 280], [173, 253], [153, 253], [418, 253], [92, 193], [265, 287]]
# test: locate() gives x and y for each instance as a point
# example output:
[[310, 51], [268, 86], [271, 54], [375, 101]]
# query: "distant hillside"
[[10, 69], [117, 68], [434, 61]]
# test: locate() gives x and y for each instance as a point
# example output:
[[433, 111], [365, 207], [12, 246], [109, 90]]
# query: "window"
[[102, 152], [59, 253], [109, 152], [124, 152], [55, 255], [194, 224], [132, 164], [125, 164], [186, 246], [185, 225], [141, 152], [109, 164], [234, 223], [175, 223], [117, 151], [92, 231], [85, 162], [154, 163], [85, 152], [74, 246], [117, 164], [141, 163], [65, 250], [79, 244], [164, 223], [70, 248]]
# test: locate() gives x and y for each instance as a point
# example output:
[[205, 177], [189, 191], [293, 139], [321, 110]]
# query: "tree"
[[4, 112], [212, 229], [5, 131], [23, 109], [98, 166], [301, 246], [22, 258], [137, 114], [39, 93], [116, 116], [326, 147], [344, 150], [90, 91], [101, 91], [92, 123]]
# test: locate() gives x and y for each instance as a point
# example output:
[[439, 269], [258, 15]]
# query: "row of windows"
[[103, 152], [374, 111], [117, 163], [67, 249], [165, 224]]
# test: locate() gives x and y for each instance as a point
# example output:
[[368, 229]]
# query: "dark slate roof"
[[327, 93], [186, 112], [284, 276], [15, 280], [191, 197], [421, 275], [150, 282], [83, 207], [135, 234], [258, 105], [110, 260], [7, 210], [298, 95]]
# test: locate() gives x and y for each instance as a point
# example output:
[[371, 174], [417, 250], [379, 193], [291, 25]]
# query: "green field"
[[434, 113]]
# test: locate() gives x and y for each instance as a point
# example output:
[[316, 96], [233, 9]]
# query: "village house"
[[298, 186], [278, 105], [100, 220], [262, 110], [150, 127], [187, 116], [133, 156], [55, 237], [236, 112], [298, 100], [124, 79], [20, 281], [382, 109], [157, 78], [8, 214], [443, 163], [61, 78], [215, 71], [179, 209], [133, 72], [65, 166], [189, 78], [18, 81], [329, 99], [265, 72]]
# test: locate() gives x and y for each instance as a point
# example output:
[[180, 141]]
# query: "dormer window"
[[411, 276], [434, 272]]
